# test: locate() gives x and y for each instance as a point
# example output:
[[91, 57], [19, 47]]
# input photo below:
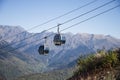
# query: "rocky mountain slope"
[[59, 57], [52, 75], [14, 64]]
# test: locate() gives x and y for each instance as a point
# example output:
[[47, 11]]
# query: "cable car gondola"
[[58, 38], [43, 49]]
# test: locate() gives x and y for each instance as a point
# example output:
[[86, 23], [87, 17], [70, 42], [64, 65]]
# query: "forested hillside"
[[105, 65]]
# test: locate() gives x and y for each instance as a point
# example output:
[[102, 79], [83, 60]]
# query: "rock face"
[[59, 57]]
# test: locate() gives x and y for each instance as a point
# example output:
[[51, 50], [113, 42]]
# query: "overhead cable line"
[[54, 18], [89, 11], [90, 18], [62, 23], [70, 26]]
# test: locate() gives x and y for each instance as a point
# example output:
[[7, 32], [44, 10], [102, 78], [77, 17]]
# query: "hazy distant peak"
[[68, 34], [87, 35], [19, 27], [13, 28]]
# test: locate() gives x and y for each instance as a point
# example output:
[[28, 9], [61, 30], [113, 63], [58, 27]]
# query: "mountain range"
[[21, 56]]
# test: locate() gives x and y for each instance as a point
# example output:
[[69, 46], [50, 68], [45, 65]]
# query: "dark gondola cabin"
[[57, 40], [42, 50]]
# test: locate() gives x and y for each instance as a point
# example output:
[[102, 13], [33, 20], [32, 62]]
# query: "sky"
[[30, 13]]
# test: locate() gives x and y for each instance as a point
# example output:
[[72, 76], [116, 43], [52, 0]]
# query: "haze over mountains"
[[27, 59]]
